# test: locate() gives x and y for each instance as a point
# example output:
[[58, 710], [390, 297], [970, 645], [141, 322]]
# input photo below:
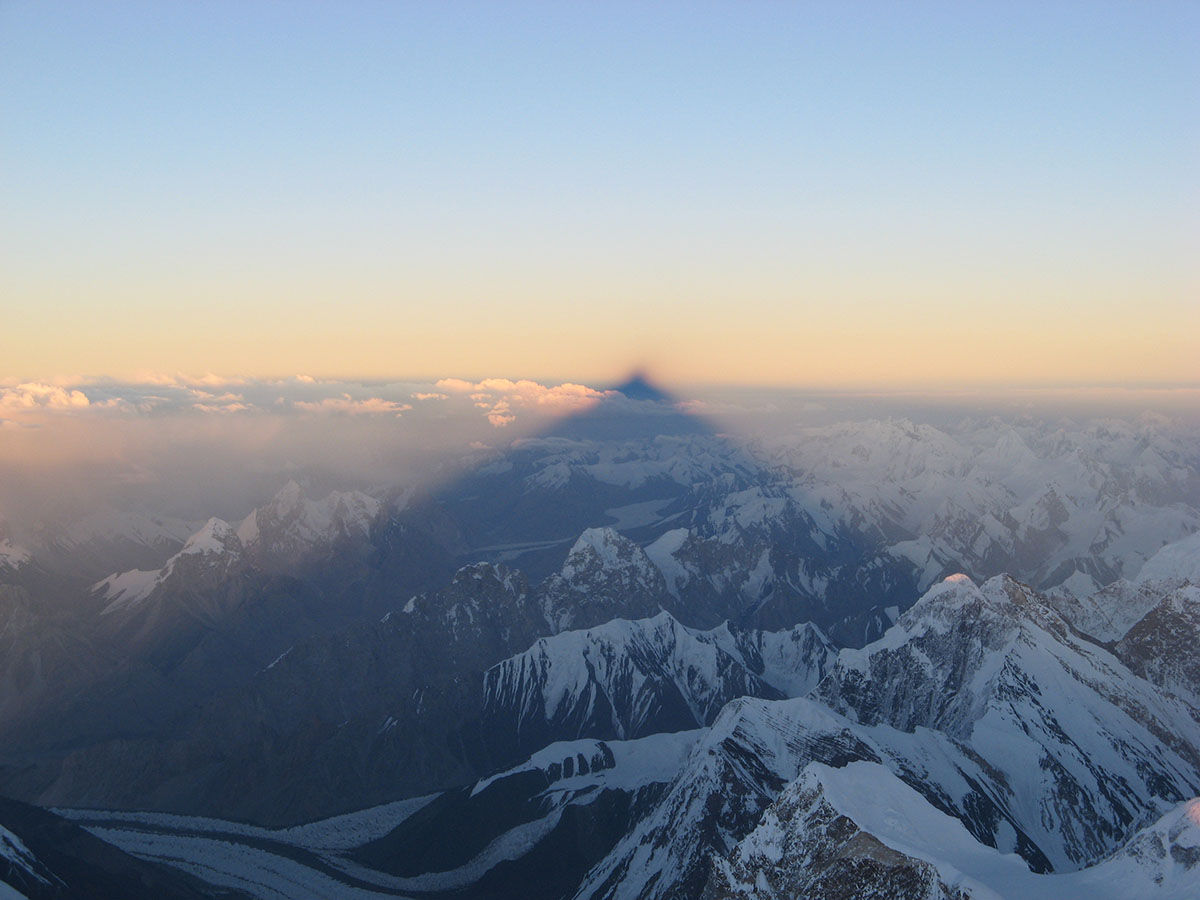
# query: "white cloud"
[[347, 404], [498, 402], [32, 396], [503, 399]]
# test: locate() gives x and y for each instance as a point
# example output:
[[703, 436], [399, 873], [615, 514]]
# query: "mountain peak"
[[604, 547], [289, 496], [216, 536]]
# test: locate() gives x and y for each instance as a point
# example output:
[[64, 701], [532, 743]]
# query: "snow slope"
[[833, 825]]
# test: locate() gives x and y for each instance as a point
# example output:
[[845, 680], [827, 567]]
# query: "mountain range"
[[630, 657]]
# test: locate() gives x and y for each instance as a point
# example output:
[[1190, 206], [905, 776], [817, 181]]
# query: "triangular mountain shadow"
[[639, 409], [527, 507]]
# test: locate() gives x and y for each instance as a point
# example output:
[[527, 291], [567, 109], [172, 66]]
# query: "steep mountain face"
[[1164, 645], [395, 696], [1109, 613], [12, 555], [1089, 749], [755, 748], [728, 532], [111, 539], [529, 831], [859, 832], [982, 700], [152, 646], [42, 657], [199, 568], [811, 842], [605, 576], [748, 551], [1015, 734], [439, 690], [290, 535], [630, 679], [1174, 564]]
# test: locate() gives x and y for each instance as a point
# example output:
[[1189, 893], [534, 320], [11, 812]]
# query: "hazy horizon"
[[209, 446]]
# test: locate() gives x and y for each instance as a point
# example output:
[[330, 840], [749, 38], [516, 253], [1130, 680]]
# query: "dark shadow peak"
[[635, 409], [638, 387]]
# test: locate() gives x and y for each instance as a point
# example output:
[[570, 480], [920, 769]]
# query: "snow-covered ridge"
[[605, 548], [625, 679], [623, 765], [130, 525], [215, 545], [1108, 614], [18, 858], [998, 669], [793, 851], [1044, 501], [282, 531], [291, 520], [215, 536], [1174, 563]]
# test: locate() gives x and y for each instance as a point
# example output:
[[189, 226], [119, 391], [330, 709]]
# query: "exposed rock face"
[[997, 669], [1164, 646], [806, 846], [981, 699], [605, 576], [859, 832]]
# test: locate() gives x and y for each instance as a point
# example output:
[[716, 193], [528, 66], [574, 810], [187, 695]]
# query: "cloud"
[[347, 404], [503, 399], [500, 415], [32, 395], [490, 402], [209, 402], [180, 379]]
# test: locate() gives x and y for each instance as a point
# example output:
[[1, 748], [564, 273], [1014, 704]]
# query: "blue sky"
[[749, 192]]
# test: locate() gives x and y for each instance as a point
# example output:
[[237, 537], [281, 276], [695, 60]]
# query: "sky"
[[808, 194]]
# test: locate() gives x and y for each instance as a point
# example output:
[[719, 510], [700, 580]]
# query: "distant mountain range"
[[630, 657]]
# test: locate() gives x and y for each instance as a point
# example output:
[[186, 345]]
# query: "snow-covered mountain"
[[627, 679], [981, 699], [110, 539], [652, 662], [859, 828], [605, 576], [523, 832], [993, 740], [206, 558], [286, 534], [1046, 501], [291, 528], [1088, 747]]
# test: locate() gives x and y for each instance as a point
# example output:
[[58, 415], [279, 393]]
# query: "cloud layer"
[[500, 402]]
